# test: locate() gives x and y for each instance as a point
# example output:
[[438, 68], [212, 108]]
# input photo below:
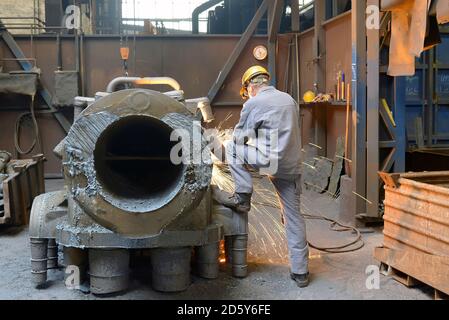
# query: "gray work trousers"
[[288, 190]]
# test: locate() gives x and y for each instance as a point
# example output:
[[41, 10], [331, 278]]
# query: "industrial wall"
[[22, 8], [338, 59], [196, 66]]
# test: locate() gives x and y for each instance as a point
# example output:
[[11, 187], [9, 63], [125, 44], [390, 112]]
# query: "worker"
[[270, 110]]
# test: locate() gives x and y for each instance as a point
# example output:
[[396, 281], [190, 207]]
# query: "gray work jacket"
[[274, 110]]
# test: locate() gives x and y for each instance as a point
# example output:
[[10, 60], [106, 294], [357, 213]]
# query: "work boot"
[[302, 280], [239, 202]]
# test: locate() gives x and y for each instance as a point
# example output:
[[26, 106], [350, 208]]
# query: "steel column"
[[237, 51], [372, 126], [295, 15], [319, 46], [319, 54], [399, 116], [296, 27], [430, 97], [359, 104], [274, 22], [275, 19]]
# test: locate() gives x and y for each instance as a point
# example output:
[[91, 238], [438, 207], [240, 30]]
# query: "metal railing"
[[33, 24]]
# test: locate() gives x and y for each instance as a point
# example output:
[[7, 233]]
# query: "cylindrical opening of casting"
[[132, 160]]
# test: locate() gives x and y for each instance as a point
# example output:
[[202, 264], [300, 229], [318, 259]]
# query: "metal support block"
[[171, 269], [235, 228], [207, 265], [52, 254], [239, 252], [38, 261], [76, 257], [108, 270]]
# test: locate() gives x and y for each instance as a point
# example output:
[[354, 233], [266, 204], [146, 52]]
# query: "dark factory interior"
[[120, 121]]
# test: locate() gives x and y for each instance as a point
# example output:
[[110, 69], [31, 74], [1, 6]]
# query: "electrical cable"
[[36, 140], [343, 228], [334, 224]]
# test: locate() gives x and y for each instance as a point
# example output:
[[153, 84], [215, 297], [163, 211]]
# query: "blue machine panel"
[[442, 122], [414, 87], [443, 49], [442, 81]]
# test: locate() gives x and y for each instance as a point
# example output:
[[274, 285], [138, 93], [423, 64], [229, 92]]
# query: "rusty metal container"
[[23, 182], [417, 212]]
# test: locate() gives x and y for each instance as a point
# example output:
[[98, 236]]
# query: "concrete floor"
[[333, 276]]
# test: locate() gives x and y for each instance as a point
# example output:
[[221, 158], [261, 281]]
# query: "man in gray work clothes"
[[267, 138]]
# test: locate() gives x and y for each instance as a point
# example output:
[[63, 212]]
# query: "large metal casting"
[[123, 191]]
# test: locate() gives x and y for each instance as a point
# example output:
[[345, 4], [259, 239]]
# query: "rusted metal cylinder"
[[171, 269], [239, 256], [207, 265], [38, 260], [76, 257], [52, 254], [108, 270]]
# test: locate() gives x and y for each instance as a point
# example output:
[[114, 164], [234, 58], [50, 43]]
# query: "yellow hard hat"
[[249, 74], [309, 96]]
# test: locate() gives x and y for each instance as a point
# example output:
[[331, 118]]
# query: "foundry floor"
[[333, 276]]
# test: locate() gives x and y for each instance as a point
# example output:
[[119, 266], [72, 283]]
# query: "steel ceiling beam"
[[275, 19], [274, 22], [246, 36]]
